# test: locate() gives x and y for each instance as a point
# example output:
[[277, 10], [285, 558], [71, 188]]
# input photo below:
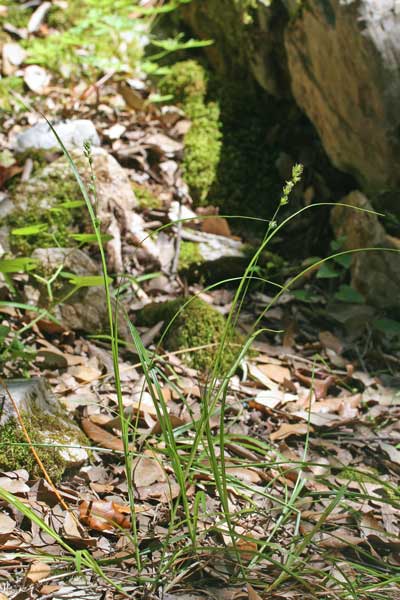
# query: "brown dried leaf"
[[147, 470], [244, 474], [253, 595], [38, 571], [7, 524], [15, 481], [164, 492], [216, 225], [340, 538], [275, 372], [330, 341], [85, 373], [102, 438], [392, 452], [288, 429], [102, 515]]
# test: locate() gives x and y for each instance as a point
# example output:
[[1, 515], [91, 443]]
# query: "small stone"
[[13, 56], [73, 133], [37, 79]]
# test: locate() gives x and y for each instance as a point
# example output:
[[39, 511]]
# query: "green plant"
[[203, 456]]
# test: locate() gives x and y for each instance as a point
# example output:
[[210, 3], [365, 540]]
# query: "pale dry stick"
[[33, 450], [94, 87]]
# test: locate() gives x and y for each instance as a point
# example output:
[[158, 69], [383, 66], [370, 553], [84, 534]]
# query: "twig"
[[175, 262]]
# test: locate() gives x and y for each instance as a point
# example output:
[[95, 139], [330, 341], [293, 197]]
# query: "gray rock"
[[344, 59], [72, 133], [340, 59], [33, 396], [375, 274], [86, 309]]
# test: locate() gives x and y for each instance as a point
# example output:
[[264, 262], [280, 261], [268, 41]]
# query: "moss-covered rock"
[[227, 160], [56, 438], [48, 433], [202, 150], [186, 82], [192, 323], [45, 201]]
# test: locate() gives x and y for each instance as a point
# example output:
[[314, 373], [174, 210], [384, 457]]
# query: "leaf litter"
[[304, 422]]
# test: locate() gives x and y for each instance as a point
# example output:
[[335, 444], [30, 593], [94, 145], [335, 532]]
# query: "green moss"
[[202, 150], [186, 82], [189, 254], [7, 86], [197, 324], [16, 454], [145, 197], [227, 159], [38, 202]]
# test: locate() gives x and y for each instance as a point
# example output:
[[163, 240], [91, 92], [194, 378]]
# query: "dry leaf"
[[244, 474], [7, 524], [340, 538], [253, 595], [85, 374], [38, 571], [103, 438], [216, 225], [330, 341], [147, 470], [15, 481], [275, 372], [46, 590], [392, 452], [257, 374], [101, 515], [287, 429], [164, 492]]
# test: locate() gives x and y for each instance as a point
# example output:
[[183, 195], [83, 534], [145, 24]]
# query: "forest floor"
[[276, 479]]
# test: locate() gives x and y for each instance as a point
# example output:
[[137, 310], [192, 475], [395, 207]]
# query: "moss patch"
[[189, 254], [16, 454], [8, 85], [40, 202], [145, 197], [186, 83], [196, 324], [227, 161]]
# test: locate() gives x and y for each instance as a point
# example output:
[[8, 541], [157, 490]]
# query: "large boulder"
[[375, 273], [246, 39], [344, 59], [340, 58]]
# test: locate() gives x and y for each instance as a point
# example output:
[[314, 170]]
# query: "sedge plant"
[[188, 461]]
